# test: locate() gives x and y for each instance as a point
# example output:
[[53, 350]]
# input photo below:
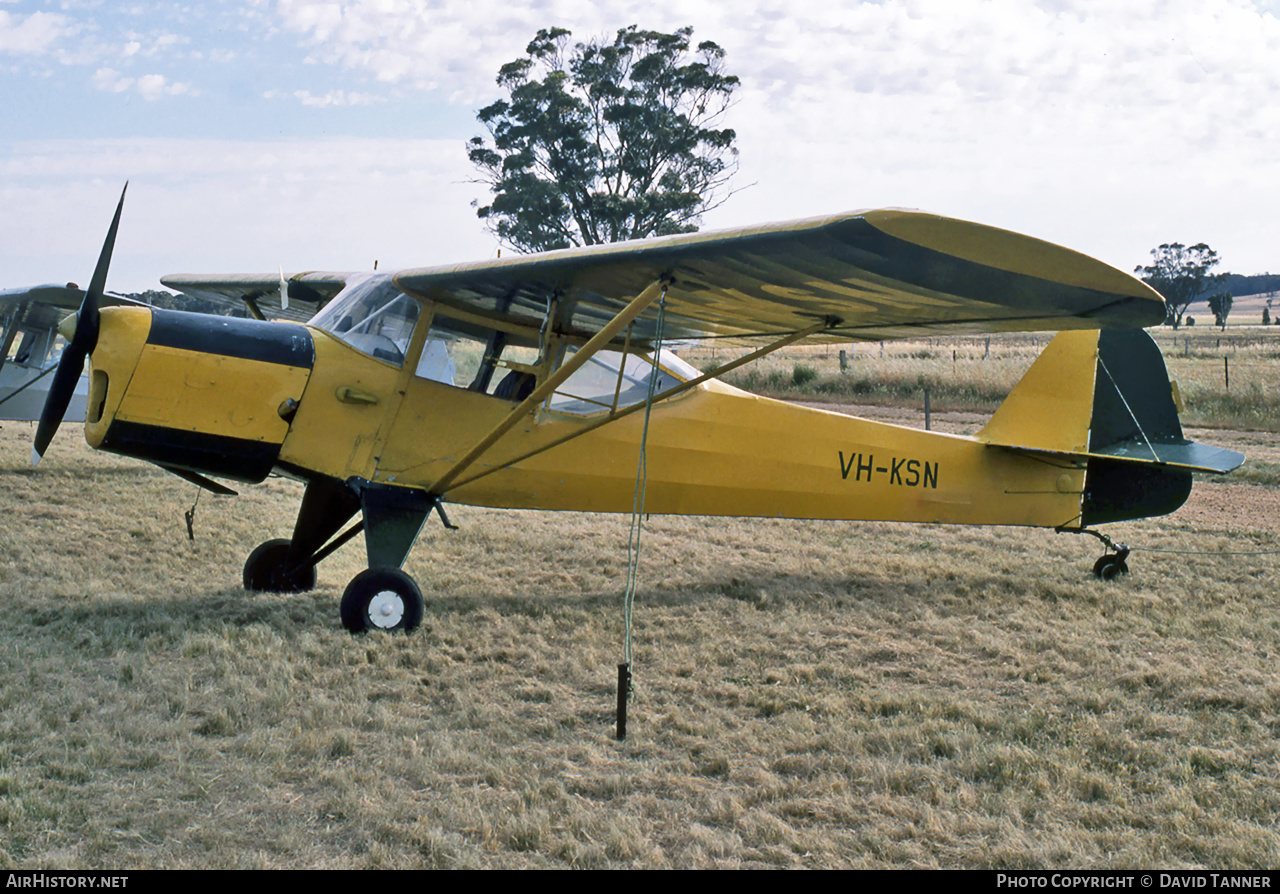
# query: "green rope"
[[642, 476], [1204, 552]]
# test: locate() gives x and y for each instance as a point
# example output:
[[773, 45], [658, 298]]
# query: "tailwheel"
[[381, 599], [268, 568], [1111, 566]]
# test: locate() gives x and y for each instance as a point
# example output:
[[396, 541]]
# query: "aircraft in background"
[[30, 347], [521, 382]]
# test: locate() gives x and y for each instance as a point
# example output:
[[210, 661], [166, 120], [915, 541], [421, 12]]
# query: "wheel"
[[266, 569], [1110, 567], [381, 599]]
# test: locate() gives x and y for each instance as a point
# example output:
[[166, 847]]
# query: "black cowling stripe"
[[270, 342], [226, 457]]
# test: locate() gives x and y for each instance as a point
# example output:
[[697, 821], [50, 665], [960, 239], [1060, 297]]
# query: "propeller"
[[284, 291], [83, 340]]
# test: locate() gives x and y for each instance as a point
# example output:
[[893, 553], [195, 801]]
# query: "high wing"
[[871, 275], [45, 306], [41, 307], [260, 293]]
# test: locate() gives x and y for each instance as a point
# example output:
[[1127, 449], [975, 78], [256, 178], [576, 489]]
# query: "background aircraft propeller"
[[83, 340]]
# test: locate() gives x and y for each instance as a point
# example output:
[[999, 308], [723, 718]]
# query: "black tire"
[[381, 599], [1110, 567], [1102, 564], [266, 569]]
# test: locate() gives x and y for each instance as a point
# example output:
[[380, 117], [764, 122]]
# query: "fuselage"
[[241, 399]]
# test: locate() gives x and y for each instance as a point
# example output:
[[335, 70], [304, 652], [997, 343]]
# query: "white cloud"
[[154, 86], [225, 205], [34, 34], [1107, 126], [150, 86], [111, 81], [336, 98]]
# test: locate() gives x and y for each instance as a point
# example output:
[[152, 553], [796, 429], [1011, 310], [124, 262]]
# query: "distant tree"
[[1257, 284], [1182, 275], [183, 301], [1266, 316], [1220, 304], [601, 142]]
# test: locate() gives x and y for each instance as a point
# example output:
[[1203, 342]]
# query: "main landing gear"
[[382, 597], [268, 568]]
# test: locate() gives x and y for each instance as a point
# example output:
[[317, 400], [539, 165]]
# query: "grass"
[[808, 694]]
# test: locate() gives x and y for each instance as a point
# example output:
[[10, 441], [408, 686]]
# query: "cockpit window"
[[33, 348], [372, 315], [471, 356], [611, 379]]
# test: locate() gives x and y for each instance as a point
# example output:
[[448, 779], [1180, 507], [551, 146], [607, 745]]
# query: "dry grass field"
[[1227, 379], [808, 694]]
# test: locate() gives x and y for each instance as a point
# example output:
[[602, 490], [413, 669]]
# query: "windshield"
[[372, 315]]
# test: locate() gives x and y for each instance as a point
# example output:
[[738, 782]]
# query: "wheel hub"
[[386, 609]]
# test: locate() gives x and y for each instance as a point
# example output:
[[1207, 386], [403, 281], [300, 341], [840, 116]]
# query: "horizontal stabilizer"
[[1187, 455], [1103, 395]]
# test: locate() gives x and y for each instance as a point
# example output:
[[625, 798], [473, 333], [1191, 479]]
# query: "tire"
[[1101, 565], [381, 599], [1110, 567], [265, 570]]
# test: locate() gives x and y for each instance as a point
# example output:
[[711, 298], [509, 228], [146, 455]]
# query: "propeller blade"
[[83, 340], [284, 291]]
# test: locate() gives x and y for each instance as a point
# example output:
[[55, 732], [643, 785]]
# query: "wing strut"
[[568, 368], [25, 385], [680, 388]]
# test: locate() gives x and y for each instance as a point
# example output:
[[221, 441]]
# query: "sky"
[[309, 135]]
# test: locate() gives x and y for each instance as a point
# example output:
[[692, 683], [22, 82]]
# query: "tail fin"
[[1103, 399]]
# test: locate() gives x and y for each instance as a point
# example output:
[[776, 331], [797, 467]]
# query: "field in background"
[[808, 694], [1227, 379]]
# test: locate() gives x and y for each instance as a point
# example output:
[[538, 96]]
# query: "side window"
[[451, 354], [485, 360], [611, 379], [29, 348], [436, 363]]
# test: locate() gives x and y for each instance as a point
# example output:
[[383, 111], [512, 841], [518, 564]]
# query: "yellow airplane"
[[529, 383]]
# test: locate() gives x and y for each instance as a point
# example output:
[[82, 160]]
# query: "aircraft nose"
[[195, 392], [121, 337]]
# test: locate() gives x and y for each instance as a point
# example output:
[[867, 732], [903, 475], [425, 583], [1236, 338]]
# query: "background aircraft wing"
[[40, 307], [308, 292], [44, 307], [883, 274]]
